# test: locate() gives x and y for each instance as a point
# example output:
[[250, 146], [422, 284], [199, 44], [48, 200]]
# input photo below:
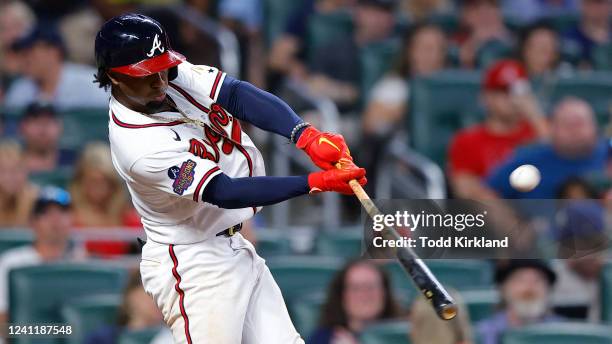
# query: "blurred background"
[[436, 98]]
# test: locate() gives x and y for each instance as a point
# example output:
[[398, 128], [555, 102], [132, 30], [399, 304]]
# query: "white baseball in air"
[[525, 178]]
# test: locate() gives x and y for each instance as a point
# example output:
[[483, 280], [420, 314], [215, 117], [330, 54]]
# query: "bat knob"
[[447, 311]]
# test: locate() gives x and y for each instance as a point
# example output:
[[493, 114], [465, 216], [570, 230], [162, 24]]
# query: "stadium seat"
[[560, 333], [59, 177], [37, 293], [376, 60], [396, 332], [480, 304], [602, 57], [88, 313], [606, 294], [139, 337], [276, 14], [432, 122], [299, 275], [84, 125], [343, 242], [305, 313], [272, 243], [14, 237], [325, 28]]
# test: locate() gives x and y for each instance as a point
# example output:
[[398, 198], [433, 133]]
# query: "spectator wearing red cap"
[[513, 118]]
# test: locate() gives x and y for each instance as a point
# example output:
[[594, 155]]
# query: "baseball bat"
[[423, 278]]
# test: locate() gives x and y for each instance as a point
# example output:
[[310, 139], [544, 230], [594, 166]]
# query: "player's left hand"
[[324, 149]]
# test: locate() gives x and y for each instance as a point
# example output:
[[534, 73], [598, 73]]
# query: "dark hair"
[[529, 30], [403, 64], [333, 313], [134, 283], [102, 79], [579, 182]]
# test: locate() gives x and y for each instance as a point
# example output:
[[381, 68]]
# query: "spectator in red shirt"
[[513, 118]]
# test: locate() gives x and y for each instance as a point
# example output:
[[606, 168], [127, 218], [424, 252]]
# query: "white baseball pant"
[[217, 291]]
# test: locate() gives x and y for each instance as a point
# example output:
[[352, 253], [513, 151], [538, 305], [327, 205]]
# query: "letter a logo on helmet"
[[135, 45], [157, 44]]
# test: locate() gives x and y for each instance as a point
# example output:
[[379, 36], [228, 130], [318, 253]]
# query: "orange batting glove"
[[336, 180], [324, 149]]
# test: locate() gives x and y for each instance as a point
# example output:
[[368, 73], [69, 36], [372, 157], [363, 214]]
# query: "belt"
[[228, 232]]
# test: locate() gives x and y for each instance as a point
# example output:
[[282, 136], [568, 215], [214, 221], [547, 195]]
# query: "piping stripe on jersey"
[[189, 97], [140, 126], [196, 194], [180, 292], [213, 91], [207, 110]]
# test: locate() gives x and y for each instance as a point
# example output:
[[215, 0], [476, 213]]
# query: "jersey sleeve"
[[177, 173], [206, 80]]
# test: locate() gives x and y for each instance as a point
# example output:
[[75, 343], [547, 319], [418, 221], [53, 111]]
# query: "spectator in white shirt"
[[49, 78], [51, 222]]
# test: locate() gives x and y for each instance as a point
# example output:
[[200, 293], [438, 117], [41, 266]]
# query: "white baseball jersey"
[[168, 163]]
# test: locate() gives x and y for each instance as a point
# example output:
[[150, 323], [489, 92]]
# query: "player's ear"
[[112, 78]]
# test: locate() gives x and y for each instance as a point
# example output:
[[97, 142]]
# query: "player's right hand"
[[336, 180]]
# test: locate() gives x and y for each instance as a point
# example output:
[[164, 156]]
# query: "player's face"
[[146, 94]]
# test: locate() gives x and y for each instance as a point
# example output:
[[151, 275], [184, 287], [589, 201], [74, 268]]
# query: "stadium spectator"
[[574, 150], [423, 53], [244, 18], [593, 29], [16, 19], [539, 50], [577, 188], [582, 242], [358, 295], [51, 222], [421, 10], [49, 78], [512, 118], [287, 56], [529, 11], [336, 66], [138, 311], [17, 195], [100, 200], [427, 327], [481, 24], [40, 130], [525, 287]]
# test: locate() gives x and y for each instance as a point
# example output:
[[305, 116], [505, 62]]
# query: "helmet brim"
[[153, 65]]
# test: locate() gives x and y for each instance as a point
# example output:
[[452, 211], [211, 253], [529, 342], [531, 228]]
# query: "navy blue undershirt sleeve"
[[234, 193], [260, 108]]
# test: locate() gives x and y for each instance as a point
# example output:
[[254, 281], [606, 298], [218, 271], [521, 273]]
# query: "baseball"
[[525, 178]]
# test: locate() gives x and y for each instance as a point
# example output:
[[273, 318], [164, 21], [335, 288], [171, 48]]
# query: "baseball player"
[[195, 176]]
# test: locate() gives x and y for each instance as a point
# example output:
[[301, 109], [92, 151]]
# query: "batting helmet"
[[135, 45], [503, 75]]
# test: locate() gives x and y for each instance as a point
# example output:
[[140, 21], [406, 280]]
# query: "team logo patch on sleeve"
[[183, 176]]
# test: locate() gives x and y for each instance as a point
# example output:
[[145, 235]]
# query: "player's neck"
[[168, 105]]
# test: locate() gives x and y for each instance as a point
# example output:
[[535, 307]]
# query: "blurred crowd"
[[366, 58]]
